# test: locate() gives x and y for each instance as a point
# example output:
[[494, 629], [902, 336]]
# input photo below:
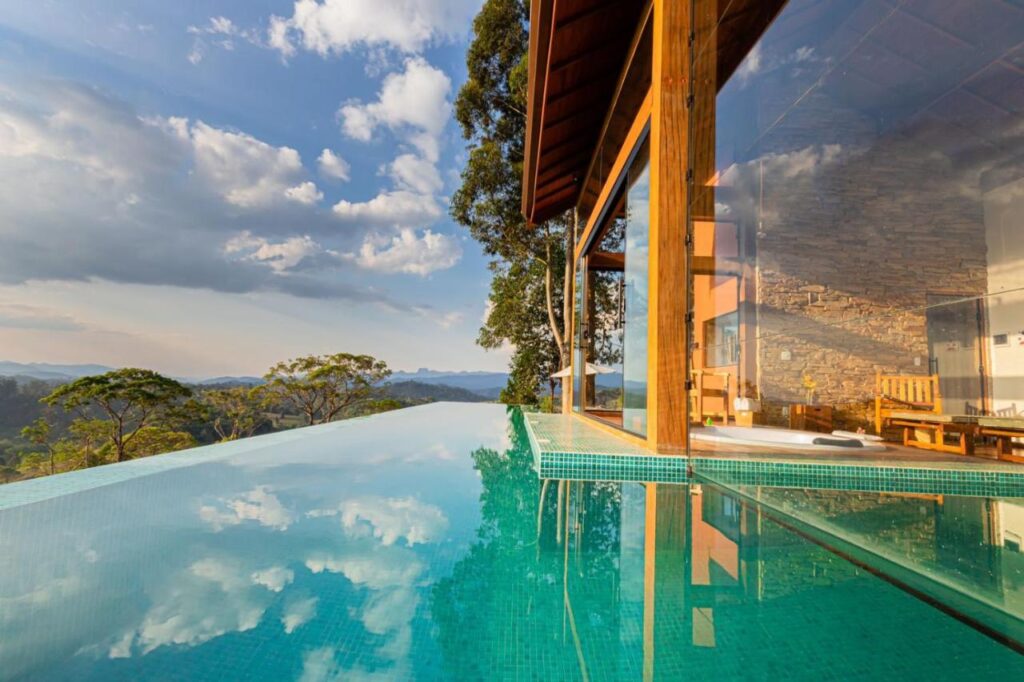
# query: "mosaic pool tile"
[[48, 487], [569, 448]]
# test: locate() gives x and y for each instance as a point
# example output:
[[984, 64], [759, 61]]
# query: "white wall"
[[1004, 236]]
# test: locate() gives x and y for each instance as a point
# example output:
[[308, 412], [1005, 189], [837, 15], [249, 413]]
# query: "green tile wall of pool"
[[569, 449]]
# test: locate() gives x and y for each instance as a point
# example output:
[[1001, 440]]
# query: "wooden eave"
[[576, 52]]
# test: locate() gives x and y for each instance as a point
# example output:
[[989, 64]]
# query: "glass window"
[[721, 340], [634, 371], [578, 361], [858, 209]]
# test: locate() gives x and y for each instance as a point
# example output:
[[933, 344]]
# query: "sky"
[[206, 188]]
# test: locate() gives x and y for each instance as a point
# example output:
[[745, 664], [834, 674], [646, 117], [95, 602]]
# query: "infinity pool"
[[420, 544]]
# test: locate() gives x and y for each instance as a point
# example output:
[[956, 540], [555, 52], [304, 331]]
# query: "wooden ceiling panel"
[[575, 61]]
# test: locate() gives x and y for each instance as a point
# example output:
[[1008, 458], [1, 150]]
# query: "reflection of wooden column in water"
[[665, 572], [650, 545], [567, 613]]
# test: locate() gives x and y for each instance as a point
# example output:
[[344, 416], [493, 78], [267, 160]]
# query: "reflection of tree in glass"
[[606, 317], [509, 587]]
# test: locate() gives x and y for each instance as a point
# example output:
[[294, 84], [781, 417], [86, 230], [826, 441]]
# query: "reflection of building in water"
[[702, 574]]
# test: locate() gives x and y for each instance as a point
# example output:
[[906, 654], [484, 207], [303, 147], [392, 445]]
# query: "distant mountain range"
[[47, 371], [486, 385]]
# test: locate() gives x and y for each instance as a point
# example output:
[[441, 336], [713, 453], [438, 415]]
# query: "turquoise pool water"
[[421, 544]]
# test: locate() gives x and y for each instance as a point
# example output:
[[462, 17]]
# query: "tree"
[[491, 108], [321, 387], [89, 444], [38, 433], [234, 412], [155, 440], [129, 399]]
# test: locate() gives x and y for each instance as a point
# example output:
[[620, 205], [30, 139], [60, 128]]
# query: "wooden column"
[[667, 340]]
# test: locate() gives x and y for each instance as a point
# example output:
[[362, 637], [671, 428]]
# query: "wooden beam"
[[667, 398], [604, 261], [555, 187], [572, 90], [588, 10], [617, 169], [578, 57], [720, 267], [541, 13], [645, 17], [542, 211]]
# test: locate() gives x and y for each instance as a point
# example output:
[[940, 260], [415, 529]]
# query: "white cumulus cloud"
[[413, 103], [330, 27], [390, 208], [306, 193], [415, 173], [333, 166], [410, 254], [278, 256], [247, 172]]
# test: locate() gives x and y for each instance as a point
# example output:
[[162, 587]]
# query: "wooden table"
[[1004, 430], [930, 430]]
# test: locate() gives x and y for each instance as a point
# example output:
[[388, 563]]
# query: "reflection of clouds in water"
[[389, 519], [382, 568], [393, 519], [259, 504], [275, 578], [21, 615], [210, 598], [298, 612], [392, 574], [321, 665]]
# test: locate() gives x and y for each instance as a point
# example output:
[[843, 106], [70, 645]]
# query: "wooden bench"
[[905, 393], [1004, 430]]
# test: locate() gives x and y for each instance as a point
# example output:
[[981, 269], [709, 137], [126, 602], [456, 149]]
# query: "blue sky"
[[208, 187]]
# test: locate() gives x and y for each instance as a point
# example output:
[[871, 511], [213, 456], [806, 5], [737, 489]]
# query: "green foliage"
[[38, 433], [321, 387], [89, 444], [382, 405], [518, 317], [233, 412], [129, 398], [154, 440], [528, 262]]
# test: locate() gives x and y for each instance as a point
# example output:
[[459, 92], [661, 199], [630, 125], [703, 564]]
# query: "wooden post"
[[668, 277]]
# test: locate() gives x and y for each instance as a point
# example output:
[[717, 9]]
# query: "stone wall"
[[857, 225]]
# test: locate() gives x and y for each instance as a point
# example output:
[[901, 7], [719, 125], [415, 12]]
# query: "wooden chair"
[[903, 394], [703, 388]]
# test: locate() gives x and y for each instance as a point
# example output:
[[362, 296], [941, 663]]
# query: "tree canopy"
[[528, 264], [130, 399], [234, 412], [321, 387]]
